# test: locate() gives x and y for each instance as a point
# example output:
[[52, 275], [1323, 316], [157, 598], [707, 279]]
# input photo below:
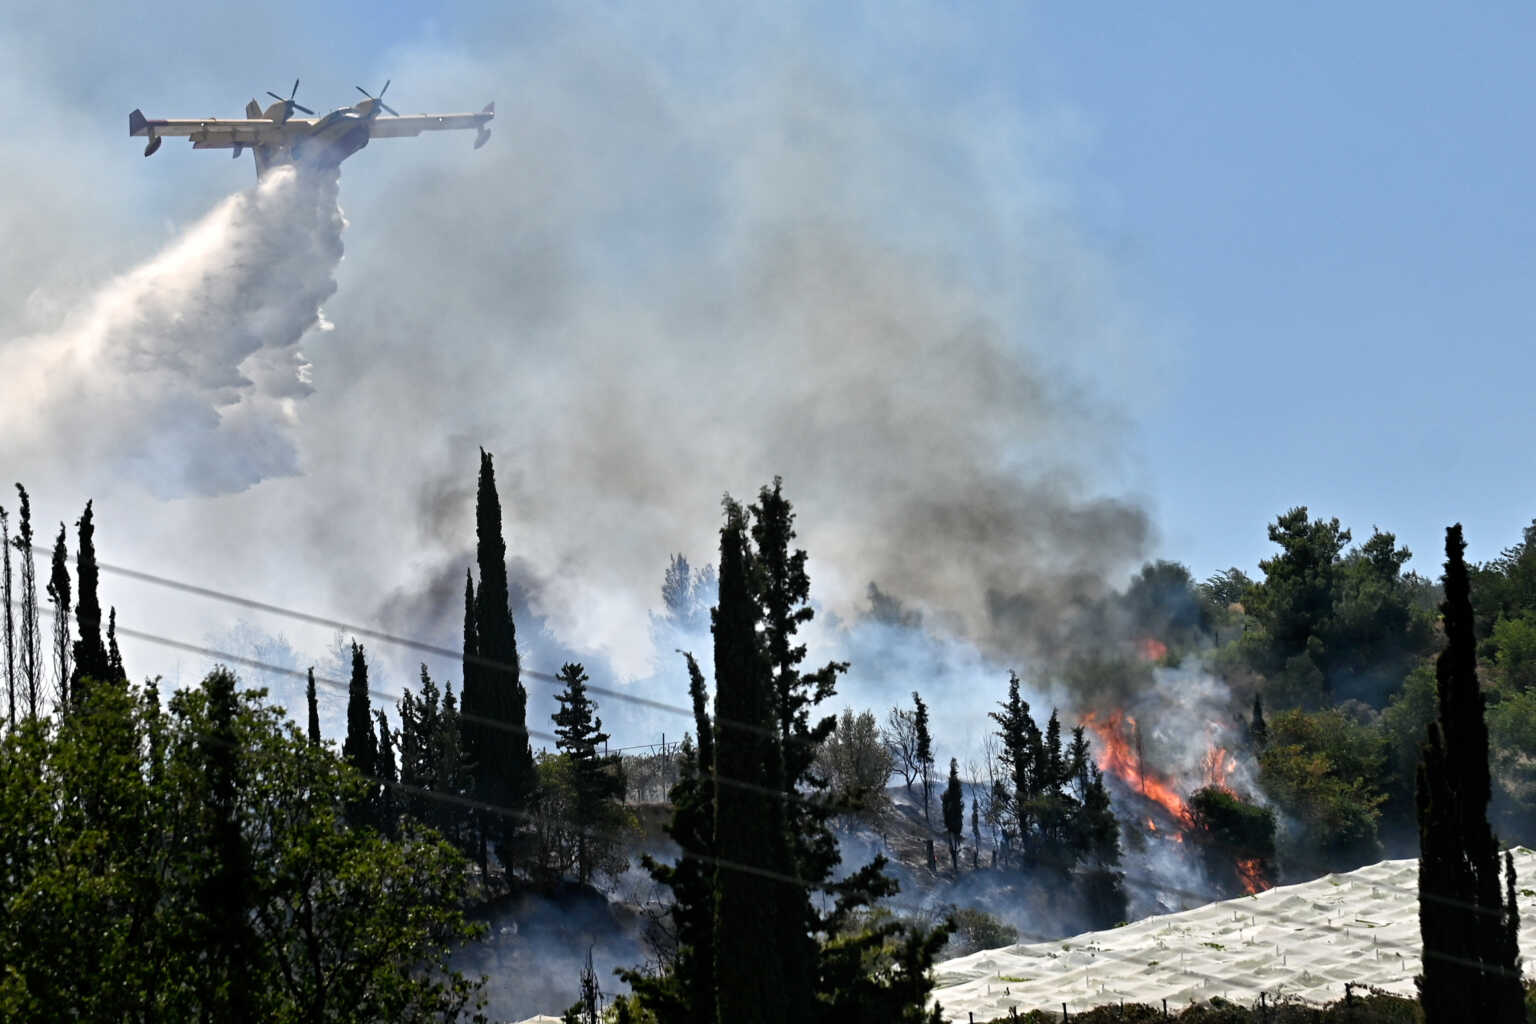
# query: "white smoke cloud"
[[183, 375]]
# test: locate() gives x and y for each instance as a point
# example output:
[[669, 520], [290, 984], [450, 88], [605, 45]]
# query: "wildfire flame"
[[1219, 766], [1251, 872], [1118, 757], [1151, 649]]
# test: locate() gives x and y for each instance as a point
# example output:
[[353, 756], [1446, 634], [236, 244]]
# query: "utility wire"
[[720, 863], [1145, 883]]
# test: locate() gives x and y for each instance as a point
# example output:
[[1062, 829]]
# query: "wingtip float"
[[276, 137]]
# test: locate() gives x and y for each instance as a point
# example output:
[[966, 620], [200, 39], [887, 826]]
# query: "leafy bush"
[[975, 929]]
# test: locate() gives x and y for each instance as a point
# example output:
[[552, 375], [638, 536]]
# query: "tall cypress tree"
[[29, 664], [115, 670], [9, 625], [752, 896], [59, 594], [388, 806], [91, 661], [225, 891], [313, 705], [685, 994], [360, 748], [954, 813], [1468, 921], [924, 754], [496, 704]]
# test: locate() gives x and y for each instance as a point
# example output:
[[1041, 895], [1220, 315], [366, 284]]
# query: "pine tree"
[[750, 838], [59, 595], [360, 749], [91, 658], [313, 704], [1258, 729], [1015, 728], [598, 777], [30, 662], [745, 886], [420, 742], [1471, 955], [837, 968], [9, 625], [924, 754], [954, 813], [451, 777]]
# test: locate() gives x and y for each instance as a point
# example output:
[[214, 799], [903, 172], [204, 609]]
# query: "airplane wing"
[[386, 127], [217, 132]]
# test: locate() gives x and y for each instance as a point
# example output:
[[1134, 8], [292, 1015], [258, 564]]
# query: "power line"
[[517, 729], [720, 863], [1144, 883]]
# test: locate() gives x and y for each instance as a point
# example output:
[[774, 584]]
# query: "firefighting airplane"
[[275, 137]]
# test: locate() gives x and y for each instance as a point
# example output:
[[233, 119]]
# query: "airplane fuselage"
[[276, 138], [334, 137]]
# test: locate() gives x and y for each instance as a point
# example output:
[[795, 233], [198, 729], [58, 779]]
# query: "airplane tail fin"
[[138, 124], [253, 110], [490, 108]]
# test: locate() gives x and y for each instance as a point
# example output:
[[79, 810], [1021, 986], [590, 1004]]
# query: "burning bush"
[[1237, 839]]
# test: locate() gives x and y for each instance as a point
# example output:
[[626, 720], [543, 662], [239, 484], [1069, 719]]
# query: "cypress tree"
[[752, 895], [1471, 968], [1259, 729], [685, 994], [953, 801], [225, 892], [924, 754], [9, 626], [389, 775], [497, 704], [115, 670], [313, 704], [360, 749], [59, 594], [91, 659], [30, 662], [506, 759]]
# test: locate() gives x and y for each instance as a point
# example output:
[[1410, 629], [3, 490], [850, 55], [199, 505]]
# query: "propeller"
[[380, 97], [288, 101]]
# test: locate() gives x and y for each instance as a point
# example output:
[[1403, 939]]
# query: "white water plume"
[[183, 374]]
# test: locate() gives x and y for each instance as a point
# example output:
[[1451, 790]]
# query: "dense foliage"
[[195, 862]]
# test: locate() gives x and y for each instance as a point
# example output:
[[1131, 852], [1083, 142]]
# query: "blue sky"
[[1257, 259], [1327, 210]]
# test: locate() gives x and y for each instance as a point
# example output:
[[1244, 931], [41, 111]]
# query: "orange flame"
[[1251, 872], [1118, 757], [1151, 649], [1219, 766]]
